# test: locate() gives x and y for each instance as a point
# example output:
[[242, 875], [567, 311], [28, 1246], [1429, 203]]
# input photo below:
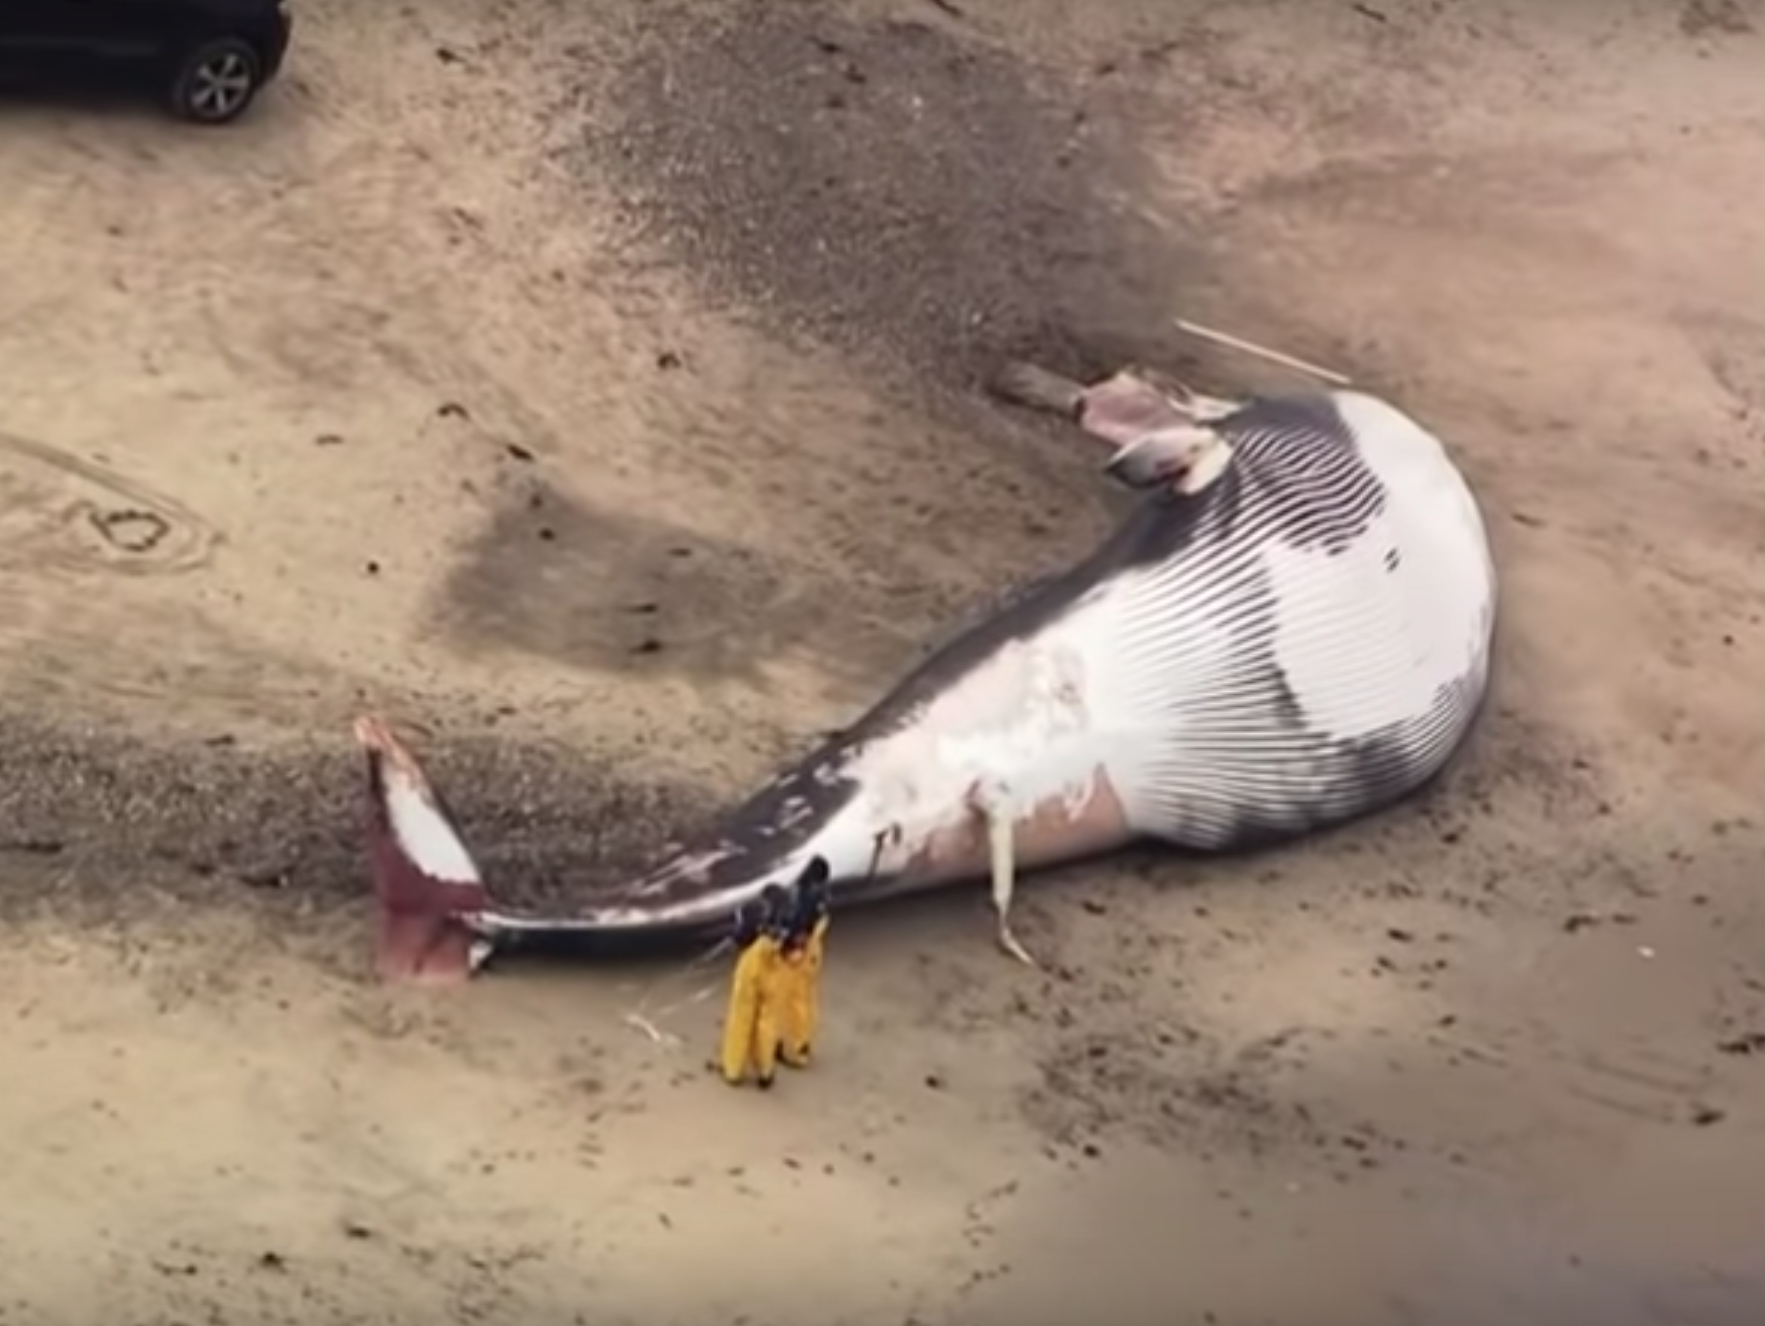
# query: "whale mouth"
[[427, 885]]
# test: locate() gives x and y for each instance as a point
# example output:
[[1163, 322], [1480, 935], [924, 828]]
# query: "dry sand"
[[593, 389]]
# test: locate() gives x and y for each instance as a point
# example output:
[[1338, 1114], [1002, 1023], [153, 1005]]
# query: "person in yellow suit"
[[798, 978], [750, 1025], [774, 997]]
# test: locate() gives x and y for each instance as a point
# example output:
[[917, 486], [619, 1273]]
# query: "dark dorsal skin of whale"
[[1301, 639]]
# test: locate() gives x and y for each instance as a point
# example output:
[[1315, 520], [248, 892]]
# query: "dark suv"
[[206, 58]]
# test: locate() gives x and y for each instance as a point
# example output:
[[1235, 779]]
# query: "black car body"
[[207, 58]]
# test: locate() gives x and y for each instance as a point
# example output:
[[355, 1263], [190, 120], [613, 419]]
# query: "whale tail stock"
[[425, 881]]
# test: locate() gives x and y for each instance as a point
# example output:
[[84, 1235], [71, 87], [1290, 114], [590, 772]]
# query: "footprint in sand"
[[61, 512]]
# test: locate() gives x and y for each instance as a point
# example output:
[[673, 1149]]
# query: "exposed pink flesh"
[[1125, 407], [419, 949]]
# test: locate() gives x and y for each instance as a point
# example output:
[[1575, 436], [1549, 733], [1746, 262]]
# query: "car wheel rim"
[[219, 86]]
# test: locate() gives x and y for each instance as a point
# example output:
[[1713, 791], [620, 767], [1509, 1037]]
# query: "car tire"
[[216, 81]]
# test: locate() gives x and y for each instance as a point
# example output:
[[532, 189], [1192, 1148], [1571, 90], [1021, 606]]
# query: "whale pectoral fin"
[[1002, 855]]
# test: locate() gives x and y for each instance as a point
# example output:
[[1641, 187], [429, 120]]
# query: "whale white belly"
[[1315, 654], [1315, 646]]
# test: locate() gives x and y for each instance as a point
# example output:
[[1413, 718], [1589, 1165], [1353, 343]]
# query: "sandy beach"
[[594, 390]]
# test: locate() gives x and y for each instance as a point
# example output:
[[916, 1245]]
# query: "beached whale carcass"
[[1291, 628]]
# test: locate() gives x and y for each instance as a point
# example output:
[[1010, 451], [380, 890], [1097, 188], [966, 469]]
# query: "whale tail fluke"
[[425, 881]]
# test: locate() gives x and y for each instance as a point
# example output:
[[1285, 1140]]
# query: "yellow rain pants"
[[800, 997], [751, 1024]]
